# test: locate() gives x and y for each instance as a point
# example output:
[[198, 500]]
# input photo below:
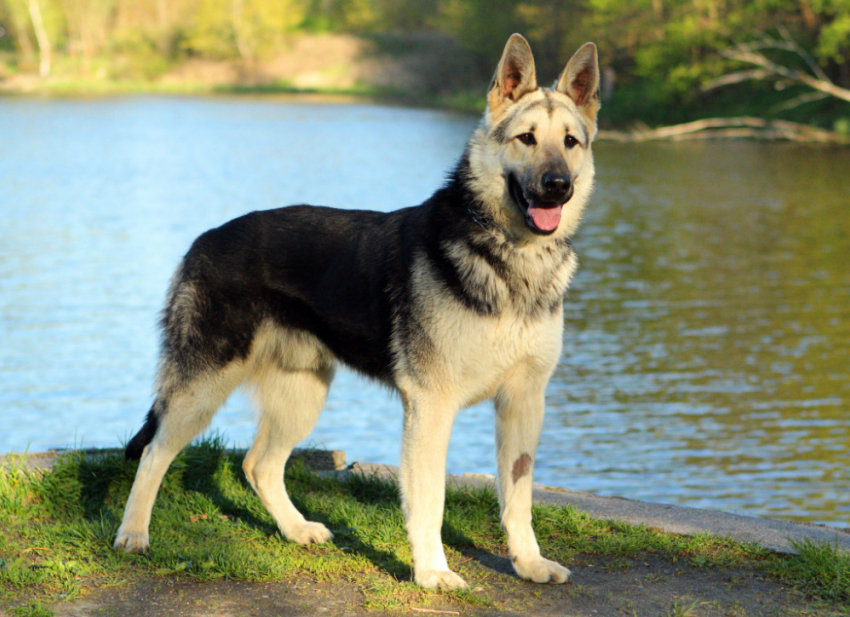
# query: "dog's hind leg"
[[180, 417], [519, 419], [290, 403]]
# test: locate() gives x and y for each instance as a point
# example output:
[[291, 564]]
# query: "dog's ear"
[[580, 80], [515, 76]]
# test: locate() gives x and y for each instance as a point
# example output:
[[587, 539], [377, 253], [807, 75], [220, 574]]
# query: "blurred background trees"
[[665, 60]]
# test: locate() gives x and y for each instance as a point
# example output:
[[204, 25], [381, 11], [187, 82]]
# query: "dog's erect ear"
[[580, 80], [514, 76]]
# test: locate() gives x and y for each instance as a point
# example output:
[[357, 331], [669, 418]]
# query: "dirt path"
[[644, 588]]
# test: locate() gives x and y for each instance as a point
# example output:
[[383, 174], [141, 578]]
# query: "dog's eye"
[[527, 139], [570, 141]]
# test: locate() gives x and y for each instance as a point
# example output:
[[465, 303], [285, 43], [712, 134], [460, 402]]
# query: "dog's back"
[[318, 270]]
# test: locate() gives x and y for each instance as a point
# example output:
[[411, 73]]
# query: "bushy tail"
[[136, 445]]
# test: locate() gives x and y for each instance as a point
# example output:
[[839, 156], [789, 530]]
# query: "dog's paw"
[[308, 533], [541, 570], [131, 542], [440, 579]]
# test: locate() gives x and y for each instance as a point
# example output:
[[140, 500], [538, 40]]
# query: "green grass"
[[32, 610], [57, 530], [821, 570]]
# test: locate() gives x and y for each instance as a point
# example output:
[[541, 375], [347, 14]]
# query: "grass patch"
[[58, 527], [820, 570]]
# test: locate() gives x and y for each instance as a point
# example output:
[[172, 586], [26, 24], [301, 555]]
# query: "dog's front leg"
[[519, 418], [427, 429]]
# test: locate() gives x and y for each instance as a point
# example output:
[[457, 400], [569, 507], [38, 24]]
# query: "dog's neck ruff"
[[490, 269]]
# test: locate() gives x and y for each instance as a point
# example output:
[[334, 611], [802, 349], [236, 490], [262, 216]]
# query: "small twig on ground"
[[434, 610]]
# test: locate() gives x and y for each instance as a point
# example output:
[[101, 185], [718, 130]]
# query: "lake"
[[707, 337]]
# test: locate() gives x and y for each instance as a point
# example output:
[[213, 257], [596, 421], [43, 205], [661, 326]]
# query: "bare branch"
[[808, 97], [793, 46], [742, 127], [734, 78], [744, 54], [787, 45]]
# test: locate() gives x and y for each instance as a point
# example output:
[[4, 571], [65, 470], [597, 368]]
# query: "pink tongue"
[[546, 219]]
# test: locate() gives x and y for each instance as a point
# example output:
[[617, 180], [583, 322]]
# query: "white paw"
[[131, 542], [308, 533], [541, 570], [440, 579]]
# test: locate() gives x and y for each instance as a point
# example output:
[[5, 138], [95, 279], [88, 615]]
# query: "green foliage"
[[663, 53], [659, 53], [833, 40], [343, 15], [246, 28]]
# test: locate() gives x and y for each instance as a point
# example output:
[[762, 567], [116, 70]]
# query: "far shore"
[[708, 128]]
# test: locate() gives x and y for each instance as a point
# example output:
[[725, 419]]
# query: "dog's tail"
[[136, 445]]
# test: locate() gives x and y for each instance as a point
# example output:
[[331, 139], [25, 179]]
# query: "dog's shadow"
[[382, 492], [355, 531], [204, 463], [105, 481]]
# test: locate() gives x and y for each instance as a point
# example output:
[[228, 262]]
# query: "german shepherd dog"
[[451, 302]]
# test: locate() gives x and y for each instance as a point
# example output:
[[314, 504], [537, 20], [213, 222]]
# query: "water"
[[707, 346]]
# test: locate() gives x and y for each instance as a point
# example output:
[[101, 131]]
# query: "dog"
[[451, 302]]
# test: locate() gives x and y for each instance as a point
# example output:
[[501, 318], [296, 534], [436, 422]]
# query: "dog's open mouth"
[[542, 217]]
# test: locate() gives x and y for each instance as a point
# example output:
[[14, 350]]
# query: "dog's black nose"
[[557, 186]]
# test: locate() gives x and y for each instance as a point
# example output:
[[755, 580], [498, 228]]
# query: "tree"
[[42, 16], [89, 24], [45, 49], [247, 28]]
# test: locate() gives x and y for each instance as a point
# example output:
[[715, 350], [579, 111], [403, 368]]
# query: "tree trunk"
[[236, 13], [22, 34], [44, 49]]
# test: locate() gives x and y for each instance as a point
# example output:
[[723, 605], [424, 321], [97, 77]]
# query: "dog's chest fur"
[[509, 312], [503, 278]]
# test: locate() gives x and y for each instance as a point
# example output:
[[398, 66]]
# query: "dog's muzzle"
[[542, 211]]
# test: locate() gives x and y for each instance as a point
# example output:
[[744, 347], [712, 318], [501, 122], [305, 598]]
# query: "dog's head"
[[531, 159]]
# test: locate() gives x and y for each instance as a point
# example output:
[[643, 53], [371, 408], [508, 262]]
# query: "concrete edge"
[[776, 535]]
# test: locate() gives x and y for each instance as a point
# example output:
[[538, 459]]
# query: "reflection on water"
[[706, 352], [708, 334]]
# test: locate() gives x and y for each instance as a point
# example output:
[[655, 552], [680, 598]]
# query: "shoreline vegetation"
[[672, 69], [212, 539], [742, 127]]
